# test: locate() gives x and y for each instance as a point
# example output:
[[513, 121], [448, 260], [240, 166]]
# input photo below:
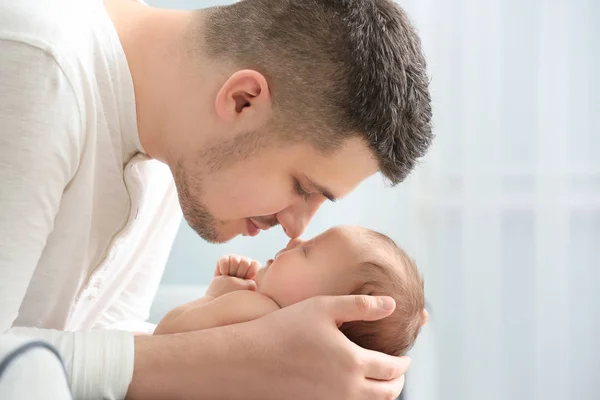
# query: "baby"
[[343, 260]]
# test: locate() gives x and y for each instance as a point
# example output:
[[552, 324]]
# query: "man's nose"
[[296, 217], [293, 243]]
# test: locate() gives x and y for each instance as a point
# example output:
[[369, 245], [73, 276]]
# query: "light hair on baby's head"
[[388, 271]]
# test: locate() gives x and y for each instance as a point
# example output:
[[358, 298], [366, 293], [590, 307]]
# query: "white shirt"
[[86, 220]]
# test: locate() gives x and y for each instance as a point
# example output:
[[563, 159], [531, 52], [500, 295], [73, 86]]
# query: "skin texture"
[[242, 291], [328, 264], [192, 115], [208, 124]]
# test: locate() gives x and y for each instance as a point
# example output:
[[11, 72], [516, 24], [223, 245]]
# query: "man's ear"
[[244, 98]]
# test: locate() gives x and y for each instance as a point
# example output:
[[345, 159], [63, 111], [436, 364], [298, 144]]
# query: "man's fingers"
[[359, 307], [384, 367], [384, 390]]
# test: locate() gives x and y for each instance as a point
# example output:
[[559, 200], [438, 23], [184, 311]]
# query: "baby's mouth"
[[269, 262]]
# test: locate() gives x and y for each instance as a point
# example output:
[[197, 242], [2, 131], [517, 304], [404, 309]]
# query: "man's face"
[[224, 193]]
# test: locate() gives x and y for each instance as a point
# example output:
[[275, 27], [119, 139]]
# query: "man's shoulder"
[[70, 42], [61, 28], [42, 107]]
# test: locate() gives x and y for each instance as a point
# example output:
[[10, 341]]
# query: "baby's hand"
[[221, 285], [233, 265], [233, 273]]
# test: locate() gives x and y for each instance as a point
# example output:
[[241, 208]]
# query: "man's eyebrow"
[[321, 189]]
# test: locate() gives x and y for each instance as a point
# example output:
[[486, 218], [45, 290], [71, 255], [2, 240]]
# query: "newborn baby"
[[343, 260]]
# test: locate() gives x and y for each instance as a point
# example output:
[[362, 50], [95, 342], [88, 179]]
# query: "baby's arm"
[[168, 319], [231, 273], [219, 286], [231, 308]]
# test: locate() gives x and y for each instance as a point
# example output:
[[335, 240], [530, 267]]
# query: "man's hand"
[[303, 346], [294, 353], [234, 265]]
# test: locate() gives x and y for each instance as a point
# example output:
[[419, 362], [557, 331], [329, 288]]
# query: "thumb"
[[360, 307], [249, 285]]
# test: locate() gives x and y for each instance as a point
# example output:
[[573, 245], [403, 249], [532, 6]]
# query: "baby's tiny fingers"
[[234, 265], [223, 265], [243, 267], [253, 269]]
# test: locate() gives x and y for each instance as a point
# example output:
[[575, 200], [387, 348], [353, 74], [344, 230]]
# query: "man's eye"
[[301, 192]]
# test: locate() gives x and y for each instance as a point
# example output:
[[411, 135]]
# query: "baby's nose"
[[291, 245]]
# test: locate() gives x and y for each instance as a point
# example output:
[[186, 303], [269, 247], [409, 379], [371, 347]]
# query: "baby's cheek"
[[295, 291]]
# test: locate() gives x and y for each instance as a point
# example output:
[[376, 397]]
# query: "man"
[[261, 111]]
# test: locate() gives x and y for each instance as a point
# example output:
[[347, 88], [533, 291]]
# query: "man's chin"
[[207, 229], [215, 237]]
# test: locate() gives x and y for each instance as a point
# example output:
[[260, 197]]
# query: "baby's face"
[[328, 264]]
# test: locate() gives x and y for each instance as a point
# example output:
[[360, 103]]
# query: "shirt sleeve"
[[99, 363], [39, 128], [40, 140]]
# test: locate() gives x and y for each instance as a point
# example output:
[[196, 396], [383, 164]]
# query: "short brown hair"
[[336, 69], [395, 275]]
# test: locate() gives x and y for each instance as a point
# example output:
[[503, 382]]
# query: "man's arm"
[[297, 351], [99, 363], [40, 140], [231, 308], [39, 146]]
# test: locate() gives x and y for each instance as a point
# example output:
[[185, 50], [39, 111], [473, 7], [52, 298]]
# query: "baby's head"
[[352, 260]]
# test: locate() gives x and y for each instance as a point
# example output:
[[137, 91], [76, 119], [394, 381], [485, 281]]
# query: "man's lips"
[[254, 226], [263, 225], [251, 228]]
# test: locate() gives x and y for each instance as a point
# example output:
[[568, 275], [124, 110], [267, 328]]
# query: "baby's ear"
[[424, 317]]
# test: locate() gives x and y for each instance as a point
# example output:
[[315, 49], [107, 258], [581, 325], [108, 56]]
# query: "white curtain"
[[505, 210]]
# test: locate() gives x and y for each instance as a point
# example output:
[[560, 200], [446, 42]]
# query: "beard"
[[216, 158], [194, 211]]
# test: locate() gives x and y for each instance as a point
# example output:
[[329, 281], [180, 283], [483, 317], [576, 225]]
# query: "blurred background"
[[502, 216]]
